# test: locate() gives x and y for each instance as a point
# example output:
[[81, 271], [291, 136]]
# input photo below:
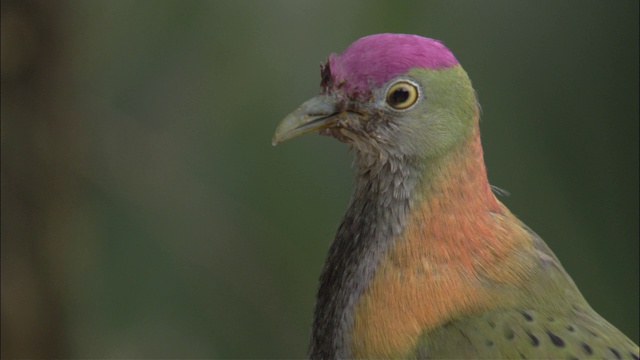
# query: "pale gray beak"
[[314, 114]]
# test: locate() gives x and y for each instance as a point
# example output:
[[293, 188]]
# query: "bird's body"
[[427, 263]]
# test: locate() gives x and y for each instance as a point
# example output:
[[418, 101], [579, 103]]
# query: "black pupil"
[[399, 96]]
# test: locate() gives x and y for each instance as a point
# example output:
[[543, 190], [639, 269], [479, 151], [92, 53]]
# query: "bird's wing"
[[563, 327], [527, 334]]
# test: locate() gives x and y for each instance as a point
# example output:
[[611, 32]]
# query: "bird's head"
[[390, 94]]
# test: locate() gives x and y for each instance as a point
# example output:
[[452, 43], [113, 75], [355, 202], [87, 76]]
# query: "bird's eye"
[[402, 94]]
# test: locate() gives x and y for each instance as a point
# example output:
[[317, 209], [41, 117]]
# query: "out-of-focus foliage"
[[145, 213]]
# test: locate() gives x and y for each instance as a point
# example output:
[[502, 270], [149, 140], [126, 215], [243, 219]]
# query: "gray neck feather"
[[375, 216]]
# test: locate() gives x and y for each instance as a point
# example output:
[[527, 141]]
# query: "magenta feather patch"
[[373, 60]]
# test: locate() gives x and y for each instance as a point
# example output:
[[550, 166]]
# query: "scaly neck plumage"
[[388, 188]]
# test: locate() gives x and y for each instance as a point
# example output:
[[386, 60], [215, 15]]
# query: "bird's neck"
[[454, 187], [375, 216], [389, 191], [455, 215], [456, 233], [434, 204]]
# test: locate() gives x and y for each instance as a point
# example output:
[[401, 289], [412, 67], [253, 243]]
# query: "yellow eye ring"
[[402, 95]]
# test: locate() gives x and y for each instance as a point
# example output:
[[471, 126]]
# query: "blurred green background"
[[145, 213]]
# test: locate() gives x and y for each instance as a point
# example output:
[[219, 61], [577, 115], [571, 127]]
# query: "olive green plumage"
[[550, 320]]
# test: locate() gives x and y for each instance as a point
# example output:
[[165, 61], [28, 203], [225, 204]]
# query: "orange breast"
[[459, 239], [436, 272]]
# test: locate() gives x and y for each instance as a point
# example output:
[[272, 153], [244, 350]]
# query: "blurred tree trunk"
[[33, 189]]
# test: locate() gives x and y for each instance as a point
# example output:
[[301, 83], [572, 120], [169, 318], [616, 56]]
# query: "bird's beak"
[[314, 114]]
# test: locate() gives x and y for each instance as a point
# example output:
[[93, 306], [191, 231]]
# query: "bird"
[[427, 263]]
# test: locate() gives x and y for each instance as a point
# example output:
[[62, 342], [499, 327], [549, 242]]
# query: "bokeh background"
[[145, 213]]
